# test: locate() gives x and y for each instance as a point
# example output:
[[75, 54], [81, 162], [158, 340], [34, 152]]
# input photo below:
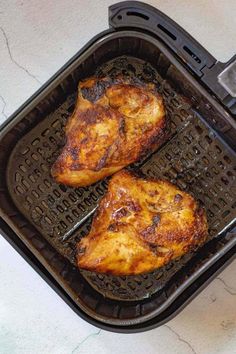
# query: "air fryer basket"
[[50, 218]]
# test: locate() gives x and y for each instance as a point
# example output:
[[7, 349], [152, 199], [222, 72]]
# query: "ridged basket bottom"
[[194, 158]]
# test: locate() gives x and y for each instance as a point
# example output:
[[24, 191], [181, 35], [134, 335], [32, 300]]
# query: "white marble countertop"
[[36, 39]]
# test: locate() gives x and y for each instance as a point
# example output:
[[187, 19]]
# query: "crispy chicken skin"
[[115, 122], [141, 225]]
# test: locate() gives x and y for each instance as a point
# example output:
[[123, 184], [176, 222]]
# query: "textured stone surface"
[[36, 39]]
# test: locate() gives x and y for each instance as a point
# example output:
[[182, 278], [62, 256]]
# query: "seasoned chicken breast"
[[141, 225], [114, 124]]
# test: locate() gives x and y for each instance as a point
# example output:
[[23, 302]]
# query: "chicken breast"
[[114, 124], [141, 225]]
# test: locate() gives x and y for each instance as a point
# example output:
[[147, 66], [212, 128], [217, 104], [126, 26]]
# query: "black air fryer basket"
[[44, 220]]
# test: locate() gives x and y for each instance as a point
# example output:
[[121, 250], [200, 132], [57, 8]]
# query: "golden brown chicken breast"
[[141, 225], [114, 124]]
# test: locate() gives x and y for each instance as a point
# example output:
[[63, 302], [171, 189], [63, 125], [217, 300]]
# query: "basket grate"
[[194, 158]]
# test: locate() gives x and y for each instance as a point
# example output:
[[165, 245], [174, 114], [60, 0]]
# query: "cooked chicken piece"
[[114, 124], [140, 225]]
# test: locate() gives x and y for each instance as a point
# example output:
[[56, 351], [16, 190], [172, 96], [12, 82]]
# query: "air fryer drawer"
[[50, 218]]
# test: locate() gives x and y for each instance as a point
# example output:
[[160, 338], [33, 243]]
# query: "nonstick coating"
[[51, 218]]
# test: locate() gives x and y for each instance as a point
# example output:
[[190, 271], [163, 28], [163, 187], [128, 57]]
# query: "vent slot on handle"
[[166, 31], [192, 55], [137, 14]]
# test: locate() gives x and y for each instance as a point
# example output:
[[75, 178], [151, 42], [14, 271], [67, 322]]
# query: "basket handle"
[[214, 74], [136, 14]]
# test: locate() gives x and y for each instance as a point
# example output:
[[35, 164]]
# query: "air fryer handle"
[[219, 77], [142, 16]]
